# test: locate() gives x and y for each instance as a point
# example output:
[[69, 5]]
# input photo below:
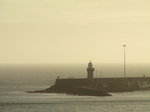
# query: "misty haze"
[[74, 56]]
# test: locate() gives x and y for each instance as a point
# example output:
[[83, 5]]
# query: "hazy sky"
[[68, 31]]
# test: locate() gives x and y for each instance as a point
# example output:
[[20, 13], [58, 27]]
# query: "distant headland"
[[91, 86]]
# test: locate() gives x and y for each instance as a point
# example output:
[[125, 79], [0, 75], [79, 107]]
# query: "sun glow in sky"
[[74, 31]]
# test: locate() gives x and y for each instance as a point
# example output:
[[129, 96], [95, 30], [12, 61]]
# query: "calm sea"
[[16, 79]]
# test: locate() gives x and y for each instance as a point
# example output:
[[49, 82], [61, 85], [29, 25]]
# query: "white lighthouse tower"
[[90, 71]]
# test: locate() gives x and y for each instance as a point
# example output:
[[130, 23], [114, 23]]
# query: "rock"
[[81, 91]]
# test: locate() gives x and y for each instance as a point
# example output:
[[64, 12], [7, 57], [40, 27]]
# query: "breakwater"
[[107, 84], [97, 86]]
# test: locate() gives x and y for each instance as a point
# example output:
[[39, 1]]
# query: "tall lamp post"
[[124, 61]]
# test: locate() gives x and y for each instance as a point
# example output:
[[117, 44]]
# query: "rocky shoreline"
[[80, 91]]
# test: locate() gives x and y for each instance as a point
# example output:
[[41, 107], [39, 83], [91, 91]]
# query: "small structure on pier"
[[90, 71]]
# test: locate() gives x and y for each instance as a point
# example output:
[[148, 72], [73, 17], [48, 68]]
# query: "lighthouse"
[[90, 71]]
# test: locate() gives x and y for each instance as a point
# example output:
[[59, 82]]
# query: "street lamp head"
[[124, 45]]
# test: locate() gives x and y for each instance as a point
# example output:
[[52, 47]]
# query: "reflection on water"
[[119, 102]]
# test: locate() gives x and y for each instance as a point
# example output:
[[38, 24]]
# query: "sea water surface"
[[15, 80]]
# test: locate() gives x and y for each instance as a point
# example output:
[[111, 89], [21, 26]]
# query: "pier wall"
[[107, 84]]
